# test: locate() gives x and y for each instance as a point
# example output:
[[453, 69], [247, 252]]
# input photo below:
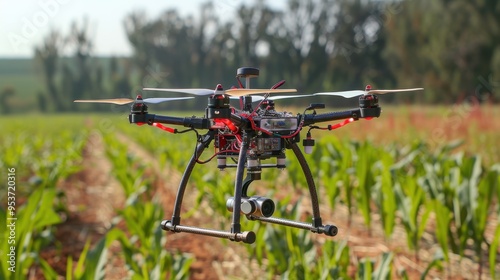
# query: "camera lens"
[[267, 208], [264, 205]]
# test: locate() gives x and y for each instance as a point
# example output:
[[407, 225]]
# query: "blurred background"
[[56, 51]]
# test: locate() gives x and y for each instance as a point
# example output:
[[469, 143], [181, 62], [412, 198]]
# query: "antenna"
[[247, 73]]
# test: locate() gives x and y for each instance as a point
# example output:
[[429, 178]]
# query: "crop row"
[[45, 152], [405, 185], [454, 196], [41, 154], [413, 184]]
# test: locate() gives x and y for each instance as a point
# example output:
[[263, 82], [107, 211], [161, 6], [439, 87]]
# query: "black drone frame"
[[368, 108]]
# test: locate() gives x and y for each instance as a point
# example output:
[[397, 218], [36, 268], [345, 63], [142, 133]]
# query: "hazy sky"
[[24, 23]]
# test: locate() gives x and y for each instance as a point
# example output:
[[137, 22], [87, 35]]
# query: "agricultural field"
[[414, 193]]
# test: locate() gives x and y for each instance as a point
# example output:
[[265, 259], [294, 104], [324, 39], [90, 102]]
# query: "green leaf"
[[69, 268], [443, 218], [494, 252], [436, 262], [47, 270], [384, 268], [95, 261], [181, 266], [365, 269], [80, 265]]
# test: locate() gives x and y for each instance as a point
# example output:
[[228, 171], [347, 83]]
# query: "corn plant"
[[33, 231], [366, 181], [443, 219], [335, 162], [384, 193], [335, 260], [126, 168], [294, 171], [479, 209], [368, 269], [336, 170], [143, 250], [157, 142], [365, 269], [91, 263], [213, 186], [410, 201], [493, 253], [436, 262]]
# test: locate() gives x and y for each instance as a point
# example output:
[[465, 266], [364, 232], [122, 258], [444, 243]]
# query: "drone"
[[245, 139]]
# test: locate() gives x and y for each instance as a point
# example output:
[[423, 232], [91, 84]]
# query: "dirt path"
[[91, 197]]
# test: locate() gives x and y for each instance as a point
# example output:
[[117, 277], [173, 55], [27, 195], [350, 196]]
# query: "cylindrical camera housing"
[[254, 205]]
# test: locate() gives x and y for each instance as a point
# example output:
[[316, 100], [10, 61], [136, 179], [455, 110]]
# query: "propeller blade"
[[156, 100], [354, 93], [194, 91], [117, 101], [383, 91], [231, 92], [256, 98], [123, 101], [245, 91], [345, 94]]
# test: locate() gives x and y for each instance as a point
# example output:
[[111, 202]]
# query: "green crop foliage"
[[493, 253], [384, 192], [144, 245], [443, 218], [33, 231], [410, 201], [407, 185], [365, 179], [335, 170]]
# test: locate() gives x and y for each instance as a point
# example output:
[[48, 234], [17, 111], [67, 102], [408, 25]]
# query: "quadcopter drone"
[[244, 138]]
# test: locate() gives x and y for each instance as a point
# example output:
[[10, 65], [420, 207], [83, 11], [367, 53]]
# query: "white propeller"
[[123, 101], [354, 93]]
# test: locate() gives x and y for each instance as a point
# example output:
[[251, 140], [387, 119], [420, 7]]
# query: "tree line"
[[451, 48]]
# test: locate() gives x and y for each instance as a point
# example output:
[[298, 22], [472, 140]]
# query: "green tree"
[[6, 93], [443, 45], [47, 56]]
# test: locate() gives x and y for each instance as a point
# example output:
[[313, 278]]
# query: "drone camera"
[[254, 205]]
